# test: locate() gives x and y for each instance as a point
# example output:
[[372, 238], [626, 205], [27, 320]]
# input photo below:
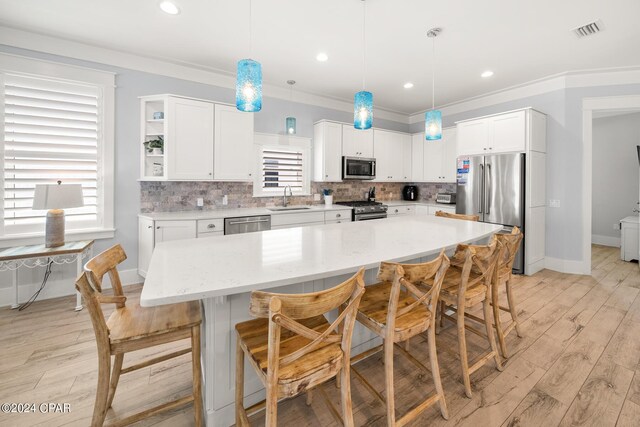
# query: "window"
[[54, 130], [281, 162]]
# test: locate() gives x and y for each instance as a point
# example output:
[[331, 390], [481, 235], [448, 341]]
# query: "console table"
[[33, 256]]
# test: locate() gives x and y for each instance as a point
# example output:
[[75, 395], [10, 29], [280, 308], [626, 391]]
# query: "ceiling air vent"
[[588, 29]]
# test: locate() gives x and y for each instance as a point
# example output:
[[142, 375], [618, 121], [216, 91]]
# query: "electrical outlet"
[[554, 203], [225, 200], [316, 197], [199, 202]]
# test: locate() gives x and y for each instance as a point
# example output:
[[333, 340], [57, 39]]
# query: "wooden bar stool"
[[292, 346], [131, 328], [510, 245], [458, 216], [396, 315], [467, 284]]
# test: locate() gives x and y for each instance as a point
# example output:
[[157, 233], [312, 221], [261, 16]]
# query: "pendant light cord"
[[364, 43], [250, 29], [433, 74]]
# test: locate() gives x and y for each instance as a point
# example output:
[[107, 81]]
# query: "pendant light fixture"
[[290, 122], [249, 79], [363, 100], [433, 118]]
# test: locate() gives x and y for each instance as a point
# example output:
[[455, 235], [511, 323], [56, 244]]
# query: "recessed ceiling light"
[[408, 85], [169, 7], [322, 57], [486, 74]]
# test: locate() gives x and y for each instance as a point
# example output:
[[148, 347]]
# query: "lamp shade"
[[249, 86], [363, 110], [433, 125], [58, 196], [290, 124]]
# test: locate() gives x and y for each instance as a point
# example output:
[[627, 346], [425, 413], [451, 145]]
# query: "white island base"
[[222, 271]]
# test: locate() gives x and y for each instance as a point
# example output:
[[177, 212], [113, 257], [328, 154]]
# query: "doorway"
[[610, 163]]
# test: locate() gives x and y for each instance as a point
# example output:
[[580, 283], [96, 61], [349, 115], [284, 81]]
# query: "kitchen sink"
[[293, 208]]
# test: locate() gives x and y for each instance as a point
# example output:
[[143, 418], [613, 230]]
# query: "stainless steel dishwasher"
[[247, 224]]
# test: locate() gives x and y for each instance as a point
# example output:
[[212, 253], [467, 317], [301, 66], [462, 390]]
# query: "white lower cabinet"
[[401, 210], [210, 227], [166, 231], [146, 243]]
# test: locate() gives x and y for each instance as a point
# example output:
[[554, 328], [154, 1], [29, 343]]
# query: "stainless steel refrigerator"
[[493, 187]]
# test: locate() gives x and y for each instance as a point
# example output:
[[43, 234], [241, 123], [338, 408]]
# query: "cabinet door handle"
[[211, 226], [158, 228], [149, 226], [326, 176], [249, 174], [396, 210], [338, 215]]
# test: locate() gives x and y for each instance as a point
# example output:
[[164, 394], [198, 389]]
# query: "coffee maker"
[[410, 193]]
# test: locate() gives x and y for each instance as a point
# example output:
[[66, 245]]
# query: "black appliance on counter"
[[364, 210], [410, 193]]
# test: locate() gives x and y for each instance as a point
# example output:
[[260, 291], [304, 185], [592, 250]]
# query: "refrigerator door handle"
[[480, 192], [489, 191]]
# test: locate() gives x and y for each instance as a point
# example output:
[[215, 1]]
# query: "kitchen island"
[[222, 271]]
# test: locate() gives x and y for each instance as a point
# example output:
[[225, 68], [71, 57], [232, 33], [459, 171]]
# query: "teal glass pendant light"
[[363, 100], [249, 79], [433, 118], [290, 122]]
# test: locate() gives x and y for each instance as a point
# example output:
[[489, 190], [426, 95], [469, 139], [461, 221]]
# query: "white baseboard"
[[565, 266], [606, 240], [60, 288]]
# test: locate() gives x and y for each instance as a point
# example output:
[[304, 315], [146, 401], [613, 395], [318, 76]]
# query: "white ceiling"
[[519, 40]]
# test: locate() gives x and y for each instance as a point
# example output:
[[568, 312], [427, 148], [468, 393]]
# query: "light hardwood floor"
[[578, 364]]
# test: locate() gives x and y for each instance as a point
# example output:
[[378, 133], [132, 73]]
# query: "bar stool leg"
[[241, 415], [497, 321], [102, 392], [490, 336], [388, 371], [115, 377], [345, 394], [197, 375], [462, 344], [435, 371], [512, 308]]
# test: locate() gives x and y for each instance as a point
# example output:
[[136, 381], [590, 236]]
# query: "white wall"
[[615, 174]]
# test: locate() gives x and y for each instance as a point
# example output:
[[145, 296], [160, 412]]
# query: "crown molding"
[[566, 80], [163, 66]]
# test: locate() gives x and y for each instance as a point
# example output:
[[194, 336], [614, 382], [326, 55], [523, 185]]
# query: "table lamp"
[[56, 197]]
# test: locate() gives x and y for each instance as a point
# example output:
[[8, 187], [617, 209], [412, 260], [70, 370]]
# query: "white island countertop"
[[193, 269]]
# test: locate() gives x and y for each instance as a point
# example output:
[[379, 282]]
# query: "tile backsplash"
[[182, 195]]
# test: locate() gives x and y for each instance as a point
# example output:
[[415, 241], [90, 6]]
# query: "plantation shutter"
[[282, 167], [51, 133]]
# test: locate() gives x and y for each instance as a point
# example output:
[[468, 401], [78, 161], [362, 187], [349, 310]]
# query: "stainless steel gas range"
[[364, 211]]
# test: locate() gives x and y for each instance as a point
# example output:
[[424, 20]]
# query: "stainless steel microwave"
[[358, 168]]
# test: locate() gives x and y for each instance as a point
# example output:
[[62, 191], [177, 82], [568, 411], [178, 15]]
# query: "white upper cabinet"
[[356, 142], [433, 160], [501, 133], [389, 148], [407, 159], [233, 144], [438, 158], [189, 141], [449, 155], [473, 137], [507, 132], [327, 152], [417, 157]]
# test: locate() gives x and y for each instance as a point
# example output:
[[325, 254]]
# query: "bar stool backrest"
[[282, 310], [444, 214], [107, 263], [510, 245]]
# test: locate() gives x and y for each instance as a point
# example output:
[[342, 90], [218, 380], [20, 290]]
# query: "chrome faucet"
[[285, 202]]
